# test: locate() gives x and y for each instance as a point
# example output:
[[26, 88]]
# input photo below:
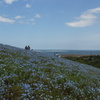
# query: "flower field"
[[30, 75]]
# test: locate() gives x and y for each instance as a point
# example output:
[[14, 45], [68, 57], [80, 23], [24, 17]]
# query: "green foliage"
[[93, 60], [13, 92]]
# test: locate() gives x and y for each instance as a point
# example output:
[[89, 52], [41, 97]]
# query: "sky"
[[51, 24]]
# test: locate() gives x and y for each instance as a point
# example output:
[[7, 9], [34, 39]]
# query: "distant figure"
[[57, 55], [27, 47]]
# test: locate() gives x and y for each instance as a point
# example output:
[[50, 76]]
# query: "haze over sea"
[[81, 52]]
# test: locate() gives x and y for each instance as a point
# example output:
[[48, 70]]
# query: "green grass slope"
[[93, 60], [29, 75]]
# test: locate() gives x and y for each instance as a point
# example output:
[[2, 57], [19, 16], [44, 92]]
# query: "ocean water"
[[81, 52]]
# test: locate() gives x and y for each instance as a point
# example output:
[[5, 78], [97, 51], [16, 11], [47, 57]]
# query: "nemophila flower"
[[39, 76], [26, 86]]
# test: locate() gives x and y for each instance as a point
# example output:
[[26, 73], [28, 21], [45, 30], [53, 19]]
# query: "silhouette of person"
[[28, 47]]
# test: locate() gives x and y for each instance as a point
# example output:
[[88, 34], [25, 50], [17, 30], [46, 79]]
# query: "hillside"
[[93, 60], [29, 75]]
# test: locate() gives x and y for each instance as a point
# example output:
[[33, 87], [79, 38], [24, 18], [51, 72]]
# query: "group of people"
[[55, 53], [27, 47]]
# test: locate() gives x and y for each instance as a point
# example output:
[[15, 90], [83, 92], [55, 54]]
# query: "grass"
[[29, 75], [93, 60]]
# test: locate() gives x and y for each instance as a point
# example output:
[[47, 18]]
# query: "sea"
[[79, 52]]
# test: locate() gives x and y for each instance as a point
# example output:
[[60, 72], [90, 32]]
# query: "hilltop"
[[30, 75]]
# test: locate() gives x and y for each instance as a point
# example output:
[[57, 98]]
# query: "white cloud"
[[95, 10], [85, 19], [6, 20], [18, 17], [9, 1], [32, 19], [37, 16], [81, 23], [27, 6]]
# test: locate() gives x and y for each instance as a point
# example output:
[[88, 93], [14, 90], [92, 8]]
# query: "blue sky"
[[51, 24]]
